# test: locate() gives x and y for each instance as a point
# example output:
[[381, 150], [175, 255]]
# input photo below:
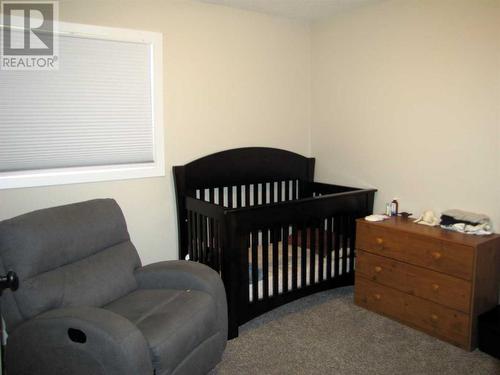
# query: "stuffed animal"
[[428, 218]]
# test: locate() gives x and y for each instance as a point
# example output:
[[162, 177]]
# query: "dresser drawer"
[[447, 324], [443, 289], [378, 298], [442, 256]]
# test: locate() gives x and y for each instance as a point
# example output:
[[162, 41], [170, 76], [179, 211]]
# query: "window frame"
[[71, 175]]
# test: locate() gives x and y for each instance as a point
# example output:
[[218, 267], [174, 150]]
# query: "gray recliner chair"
[[86, 306]]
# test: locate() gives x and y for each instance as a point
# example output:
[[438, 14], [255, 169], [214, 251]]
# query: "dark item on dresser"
[[428, 278], [405, 215], [85, 305], [489, 332], [256, 216]]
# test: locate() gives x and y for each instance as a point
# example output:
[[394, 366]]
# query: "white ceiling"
[[307, 10]]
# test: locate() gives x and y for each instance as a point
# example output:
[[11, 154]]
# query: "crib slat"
[[219, 247], [215, 244], [204, 240], [210, 244], [336, 232], [345, 233], [275, 273], [294, 257], [230, 197], [237, 203], [271, 191], [284, 257], [189, 235], [329, 245], [352, 241], [193, 236], [321, 249], [303, 256], [206, 248], [280, 192], [265, 263], [201, 256], [210, 241], [255, 265], [247, 195], [245, 293], [312, 255], [196, 238], [210, 195]]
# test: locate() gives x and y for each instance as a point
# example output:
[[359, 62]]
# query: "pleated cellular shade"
[[95, 110]]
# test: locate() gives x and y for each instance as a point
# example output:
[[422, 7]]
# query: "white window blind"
[[98, 117]]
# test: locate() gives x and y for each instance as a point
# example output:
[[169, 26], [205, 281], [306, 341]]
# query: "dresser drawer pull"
[[377, 296], [435, 287], [436, 255], [378, 269], [434, 317], [379, 241]]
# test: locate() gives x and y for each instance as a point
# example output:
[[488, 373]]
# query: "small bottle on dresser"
[[388, 209], [394, 207]]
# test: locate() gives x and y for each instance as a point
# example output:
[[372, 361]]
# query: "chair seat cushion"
[[174, 322]]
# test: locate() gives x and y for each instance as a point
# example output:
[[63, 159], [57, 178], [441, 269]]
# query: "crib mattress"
[[271, 275]]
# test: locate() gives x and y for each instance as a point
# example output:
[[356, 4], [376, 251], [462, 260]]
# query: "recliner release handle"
[[9, 281]]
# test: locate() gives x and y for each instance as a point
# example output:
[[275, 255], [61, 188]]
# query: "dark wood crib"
[[256, 216]]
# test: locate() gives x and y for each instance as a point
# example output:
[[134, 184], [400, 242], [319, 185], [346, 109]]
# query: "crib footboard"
[[210, 232]]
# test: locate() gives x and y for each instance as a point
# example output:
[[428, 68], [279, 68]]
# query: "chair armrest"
[[182, 274], [78, 341]]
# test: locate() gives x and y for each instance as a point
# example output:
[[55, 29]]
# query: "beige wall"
[[232, 78], [406, 98]]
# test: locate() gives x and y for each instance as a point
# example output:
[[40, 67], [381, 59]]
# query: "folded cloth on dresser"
[[479, 229], [449, 220], [466, 222], [465, 216]]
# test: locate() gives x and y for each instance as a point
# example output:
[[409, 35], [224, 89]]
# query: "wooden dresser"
[[428, 278]]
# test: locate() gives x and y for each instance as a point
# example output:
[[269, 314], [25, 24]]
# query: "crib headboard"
[[237, 167], [242, 166]]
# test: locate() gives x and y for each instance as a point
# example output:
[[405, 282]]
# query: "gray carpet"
[[327, 334]]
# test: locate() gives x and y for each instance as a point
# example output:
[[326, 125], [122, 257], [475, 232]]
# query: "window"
[[98, 117]]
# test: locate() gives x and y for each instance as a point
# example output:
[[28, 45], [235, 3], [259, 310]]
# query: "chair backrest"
[[73, 255]]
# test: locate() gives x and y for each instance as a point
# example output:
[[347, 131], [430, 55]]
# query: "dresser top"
[[407, 225]]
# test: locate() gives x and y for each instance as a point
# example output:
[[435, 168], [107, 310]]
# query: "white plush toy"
[[428, 218]]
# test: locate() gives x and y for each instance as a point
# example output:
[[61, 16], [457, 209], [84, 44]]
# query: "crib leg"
[[232, 332]]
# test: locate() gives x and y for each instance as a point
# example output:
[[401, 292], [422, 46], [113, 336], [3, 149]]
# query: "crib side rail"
[[358, 202], [317, 189], [204, 233], [287, 251]]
